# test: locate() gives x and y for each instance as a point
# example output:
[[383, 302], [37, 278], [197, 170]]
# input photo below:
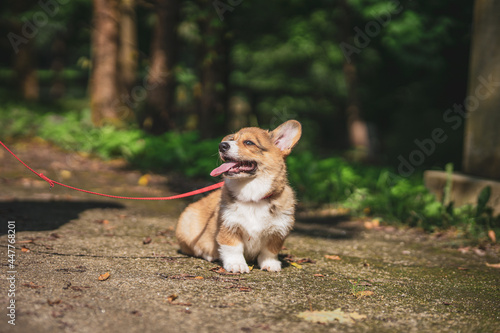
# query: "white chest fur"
[[257, 222]]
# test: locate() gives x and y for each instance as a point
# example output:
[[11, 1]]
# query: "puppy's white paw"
[[237, 267], [271, 265]]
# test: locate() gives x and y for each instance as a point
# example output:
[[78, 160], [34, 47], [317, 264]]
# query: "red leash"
[[53, 182]]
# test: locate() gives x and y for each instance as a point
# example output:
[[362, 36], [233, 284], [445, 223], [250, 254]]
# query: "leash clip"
[[47, 179]]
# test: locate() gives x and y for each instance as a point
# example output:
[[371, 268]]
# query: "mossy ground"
[[418, 283]]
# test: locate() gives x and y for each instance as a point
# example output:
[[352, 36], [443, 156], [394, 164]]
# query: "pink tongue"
[[223, 168]]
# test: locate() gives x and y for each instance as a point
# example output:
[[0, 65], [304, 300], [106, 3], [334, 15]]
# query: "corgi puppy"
[[251, 215]]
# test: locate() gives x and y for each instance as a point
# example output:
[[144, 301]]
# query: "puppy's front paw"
[[237, 267], [271, 265]]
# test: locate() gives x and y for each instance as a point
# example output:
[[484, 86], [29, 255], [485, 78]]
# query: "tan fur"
[[253, 212]]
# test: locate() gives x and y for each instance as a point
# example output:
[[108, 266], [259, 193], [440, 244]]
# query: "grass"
[[364, 190]]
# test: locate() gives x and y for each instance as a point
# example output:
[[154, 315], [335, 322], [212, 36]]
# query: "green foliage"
[[172, 151], [381, 193]]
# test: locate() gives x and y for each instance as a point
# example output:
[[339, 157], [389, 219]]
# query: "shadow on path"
[[330, 227], [34, 215]]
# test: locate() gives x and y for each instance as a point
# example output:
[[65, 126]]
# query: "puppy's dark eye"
[[248, 143]]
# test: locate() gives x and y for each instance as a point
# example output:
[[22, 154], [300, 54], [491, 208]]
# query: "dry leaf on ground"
[[173, 297], [32, 285], [144, 180], [222, 271], [492, 236], [332, 257], [104, 277], [493, 265]]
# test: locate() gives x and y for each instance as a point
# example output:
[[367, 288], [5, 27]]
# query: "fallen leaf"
[[364, 293], [199, 278], [305, 261], [372, 224], [25, 249], [146, 240], [26, 241], [173, 297], [65, 174], [32, 285], [294, 264], [104, 277], [492, 236], [144, 180], [479, 252], [493, 265], [332, 257], [219, 270], [222, 271], [325, 317], [57, 314]]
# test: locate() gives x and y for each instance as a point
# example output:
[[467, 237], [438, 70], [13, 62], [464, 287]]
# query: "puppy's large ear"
[[286, 136]]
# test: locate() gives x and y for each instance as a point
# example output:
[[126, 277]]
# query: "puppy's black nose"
[[223, 147]]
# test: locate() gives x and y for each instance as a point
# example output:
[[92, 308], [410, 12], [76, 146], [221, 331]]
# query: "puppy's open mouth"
[[234, 167]]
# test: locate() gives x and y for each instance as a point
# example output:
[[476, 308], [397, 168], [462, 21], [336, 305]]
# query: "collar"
[[268, 196]]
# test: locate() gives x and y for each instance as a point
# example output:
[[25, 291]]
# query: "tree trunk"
[[161, 79], [128, 54], [213, 58], [357, 127], [25, 68], [20, 37], [57, 88], [482, 142], [105, 103]]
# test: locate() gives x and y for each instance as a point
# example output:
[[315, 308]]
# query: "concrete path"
[[384, 280]]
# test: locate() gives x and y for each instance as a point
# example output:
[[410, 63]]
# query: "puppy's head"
[[253, 151]]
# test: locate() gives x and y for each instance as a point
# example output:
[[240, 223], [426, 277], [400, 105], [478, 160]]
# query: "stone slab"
[[464, 190]]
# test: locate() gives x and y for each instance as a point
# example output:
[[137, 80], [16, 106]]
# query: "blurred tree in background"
[[363, 76]]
